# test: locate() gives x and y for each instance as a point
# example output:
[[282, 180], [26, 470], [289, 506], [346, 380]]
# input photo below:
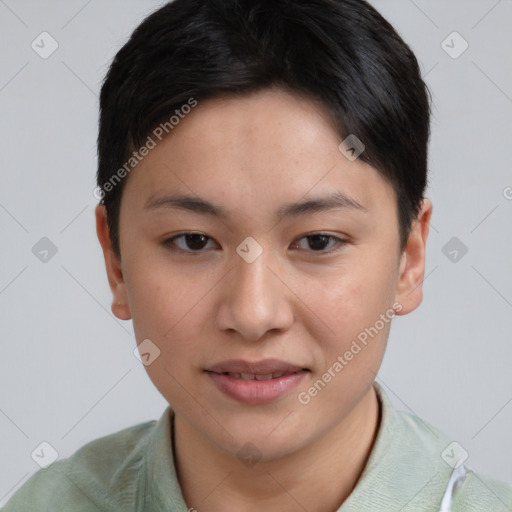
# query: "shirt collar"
[[384, 434], [162, 492]]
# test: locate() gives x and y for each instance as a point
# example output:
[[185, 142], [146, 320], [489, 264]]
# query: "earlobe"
[[409, 291], [120, 306]]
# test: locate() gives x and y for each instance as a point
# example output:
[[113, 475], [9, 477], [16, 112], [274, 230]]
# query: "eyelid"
[[340, 242], [169, 242]]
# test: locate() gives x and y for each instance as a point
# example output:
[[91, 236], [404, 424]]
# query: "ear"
[[409, 291], [120, 305]]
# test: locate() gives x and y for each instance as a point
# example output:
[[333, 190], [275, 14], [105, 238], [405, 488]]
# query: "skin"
[[252, 154]]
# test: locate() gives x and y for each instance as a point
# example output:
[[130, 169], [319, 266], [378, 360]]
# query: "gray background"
[[67, 371]]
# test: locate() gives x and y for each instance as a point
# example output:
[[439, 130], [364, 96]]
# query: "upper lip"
[[263, 367]]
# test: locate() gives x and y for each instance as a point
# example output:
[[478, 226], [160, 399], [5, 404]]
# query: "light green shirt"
[[133, 470]]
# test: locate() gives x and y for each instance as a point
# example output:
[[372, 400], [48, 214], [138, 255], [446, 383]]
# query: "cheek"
[[352, 307], [165, 310], [166, 307], [158, 295], [359, 295]]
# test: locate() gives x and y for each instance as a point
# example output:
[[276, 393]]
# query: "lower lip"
[[256, 391]]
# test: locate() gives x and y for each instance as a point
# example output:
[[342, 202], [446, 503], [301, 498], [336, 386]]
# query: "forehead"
[[252, 152]]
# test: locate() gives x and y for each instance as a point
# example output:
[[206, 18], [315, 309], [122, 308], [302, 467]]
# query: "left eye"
[[318, 242], [196, 242]]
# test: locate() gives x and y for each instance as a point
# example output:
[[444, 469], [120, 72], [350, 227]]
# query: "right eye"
[[188, 242]]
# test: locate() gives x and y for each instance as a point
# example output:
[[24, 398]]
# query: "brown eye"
[[318, 242], [188, 242]]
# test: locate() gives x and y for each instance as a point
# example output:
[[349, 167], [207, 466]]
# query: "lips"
[[256, 376], [257, 382], [267, 368]]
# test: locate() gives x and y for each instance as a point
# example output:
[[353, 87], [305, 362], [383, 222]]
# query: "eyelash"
[[169, 243]]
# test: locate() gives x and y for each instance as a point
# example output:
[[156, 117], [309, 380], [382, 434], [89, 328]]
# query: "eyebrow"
[[336, 200]]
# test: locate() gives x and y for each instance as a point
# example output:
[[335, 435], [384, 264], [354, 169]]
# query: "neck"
[[214, 480]]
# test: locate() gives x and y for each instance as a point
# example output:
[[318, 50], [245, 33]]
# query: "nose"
[[255, 299]]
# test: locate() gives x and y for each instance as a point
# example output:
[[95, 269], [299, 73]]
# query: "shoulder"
[[441, 455], [99, 476], [410, 469], [437, 455]]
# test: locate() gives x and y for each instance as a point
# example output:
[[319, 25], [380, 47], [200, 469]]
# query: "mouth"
[[269, 368], [256, 382], [258, 376]]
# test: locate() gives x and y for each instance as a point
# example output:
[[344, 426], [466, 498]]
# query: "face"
[[239, 279]]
